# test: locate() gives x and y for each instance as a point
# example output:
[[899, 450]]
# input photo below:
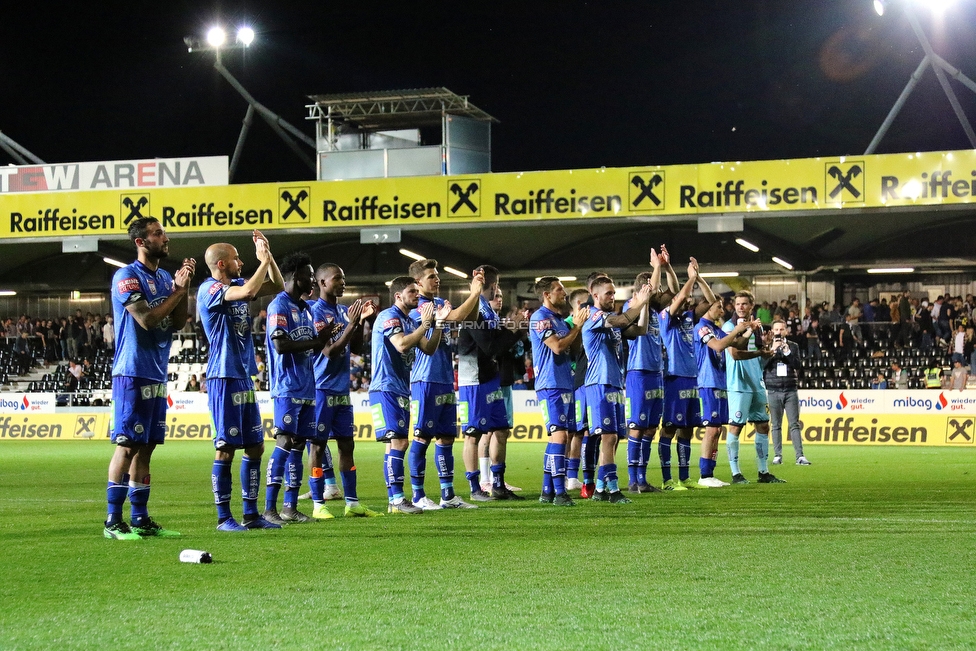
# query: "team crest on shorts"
[[738, 415], [430, 423], [139, 428], [714, 415], [287, 419], [679, 417], [234, 431], [562, 418], [321, 427], [400, 423], [606, 421], [483, 421]]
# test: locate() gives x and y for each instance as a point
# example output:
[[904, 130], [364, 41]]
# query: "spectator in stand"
[[834, 316], [794, 329], [193, 385], [947, 317], [813, 339], [958, 345], [969, 348], [883, 315], [854, 309], [51, 343], [259, 322], [899, 377], [847, 339], [940, 334], [764, 314], [923, 319], [879, 382], [188, 328], [108, 333], [959, 377], [870, 311]]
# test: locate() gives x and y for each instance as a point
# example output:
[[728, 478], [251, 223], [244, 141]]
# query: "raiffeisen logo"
[[854, 404], [14, 405], [962, 403]]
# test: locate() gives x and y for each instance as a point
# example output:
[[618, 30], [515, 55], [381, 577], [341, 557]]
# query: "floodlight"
[[879, 7], [452, 270], [216, 37], [892, 270], [783, 263], [7, 292], [245, 36], [747, 244], [719, 274], [411, 254], [114, 263]]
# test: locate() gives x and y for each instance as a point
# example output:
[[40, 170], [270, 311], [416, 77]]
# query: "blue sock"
[[386, 475], [547, 486], [498, 475], [664, 454], [601, 478], [572, 468], [349, 485], [328, 472], [762, 452], [250, 485], [645, 457], [703, 468], [444, 460], [396, 473], [559, 468], [684, 458], [139, 502], [732, 447], [316, 485], [633, 458], [418, 467], [611, 479], [590, 454], [293, 479], [115, 494], [275, 476], [221, 483], [474, 480]]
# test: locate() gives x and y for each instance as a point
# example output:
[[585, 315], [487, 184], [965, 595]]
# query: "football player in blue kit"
[[552, 340], [222, 304], [604, 382], [644, 393], [146, 302], [576, 461], [292, 343], [711, 341], [394, 338], [433, 403], [682, 410], [333, 407]]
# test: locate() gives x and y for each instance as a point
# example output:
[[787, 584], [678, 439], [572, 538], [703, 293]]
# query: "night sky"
[[574, 84]]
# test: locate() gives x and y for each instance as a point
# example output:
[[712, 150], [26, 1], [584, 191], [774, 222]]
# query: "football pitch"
[[869, 548]]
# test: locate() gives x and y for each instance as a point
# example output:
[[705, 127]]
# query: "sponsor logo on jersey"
[[127, 285]]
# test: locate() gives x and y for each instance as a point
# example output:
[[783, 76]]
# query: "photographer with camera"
[[781, 372]]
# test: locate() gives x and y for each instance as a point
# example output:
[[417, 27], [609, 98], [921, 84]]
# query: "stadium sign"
[[114, 175], [185, 199]]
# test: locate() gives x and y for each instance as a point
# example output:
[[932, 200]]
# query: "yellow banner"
[[839, 429], [876, 181]]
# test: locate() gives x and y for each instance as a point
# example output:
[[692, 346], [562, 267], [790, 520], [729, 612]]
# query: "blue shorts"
[[645, 399], [391, 415], [582, 420], [482, 408], [681, 406], [139, 415], [714, 407], [294, 416], [433, 409], [748, 407], [333, 416], [558, 409], [605, 410], [234, 413]]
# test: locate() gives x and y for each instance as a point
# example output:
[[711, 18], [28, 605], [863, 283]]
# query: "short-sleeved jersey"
[[645, 350], [677, 332], [228, 330], [711, 364], [331, 373], [603, 351], [290, 375], [744, 375], [552, 371], [475, 367], [140, 352], [438, 367], [391, 368]]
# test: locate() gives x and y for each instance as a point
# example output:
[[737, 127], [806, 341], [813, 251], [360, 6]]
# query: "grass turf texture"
[[868, 548]]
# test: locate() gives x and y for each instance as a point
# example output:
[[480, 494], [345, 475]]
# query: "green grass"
[[869, 548]]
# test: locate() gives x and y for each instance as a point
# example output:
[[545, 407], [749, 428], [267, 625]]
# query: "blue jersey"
[[677, 332], [228, 330], [140, 352], [438, 367], [711, 364], [331, 373], [603, 351], [291, 375], [645, 351], [552, 371], [745, 375], [391, 368]]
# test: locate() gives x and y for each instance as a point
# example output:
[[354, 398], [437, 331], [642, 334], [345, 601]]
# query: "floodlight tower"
[[939, 66], [216, 42]]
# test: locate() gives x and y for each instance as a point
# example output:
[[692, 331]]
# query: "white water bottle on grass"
[[195, 556]]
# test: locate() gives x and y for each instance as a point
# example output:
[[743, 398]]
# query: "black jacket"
[[793, 365]]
